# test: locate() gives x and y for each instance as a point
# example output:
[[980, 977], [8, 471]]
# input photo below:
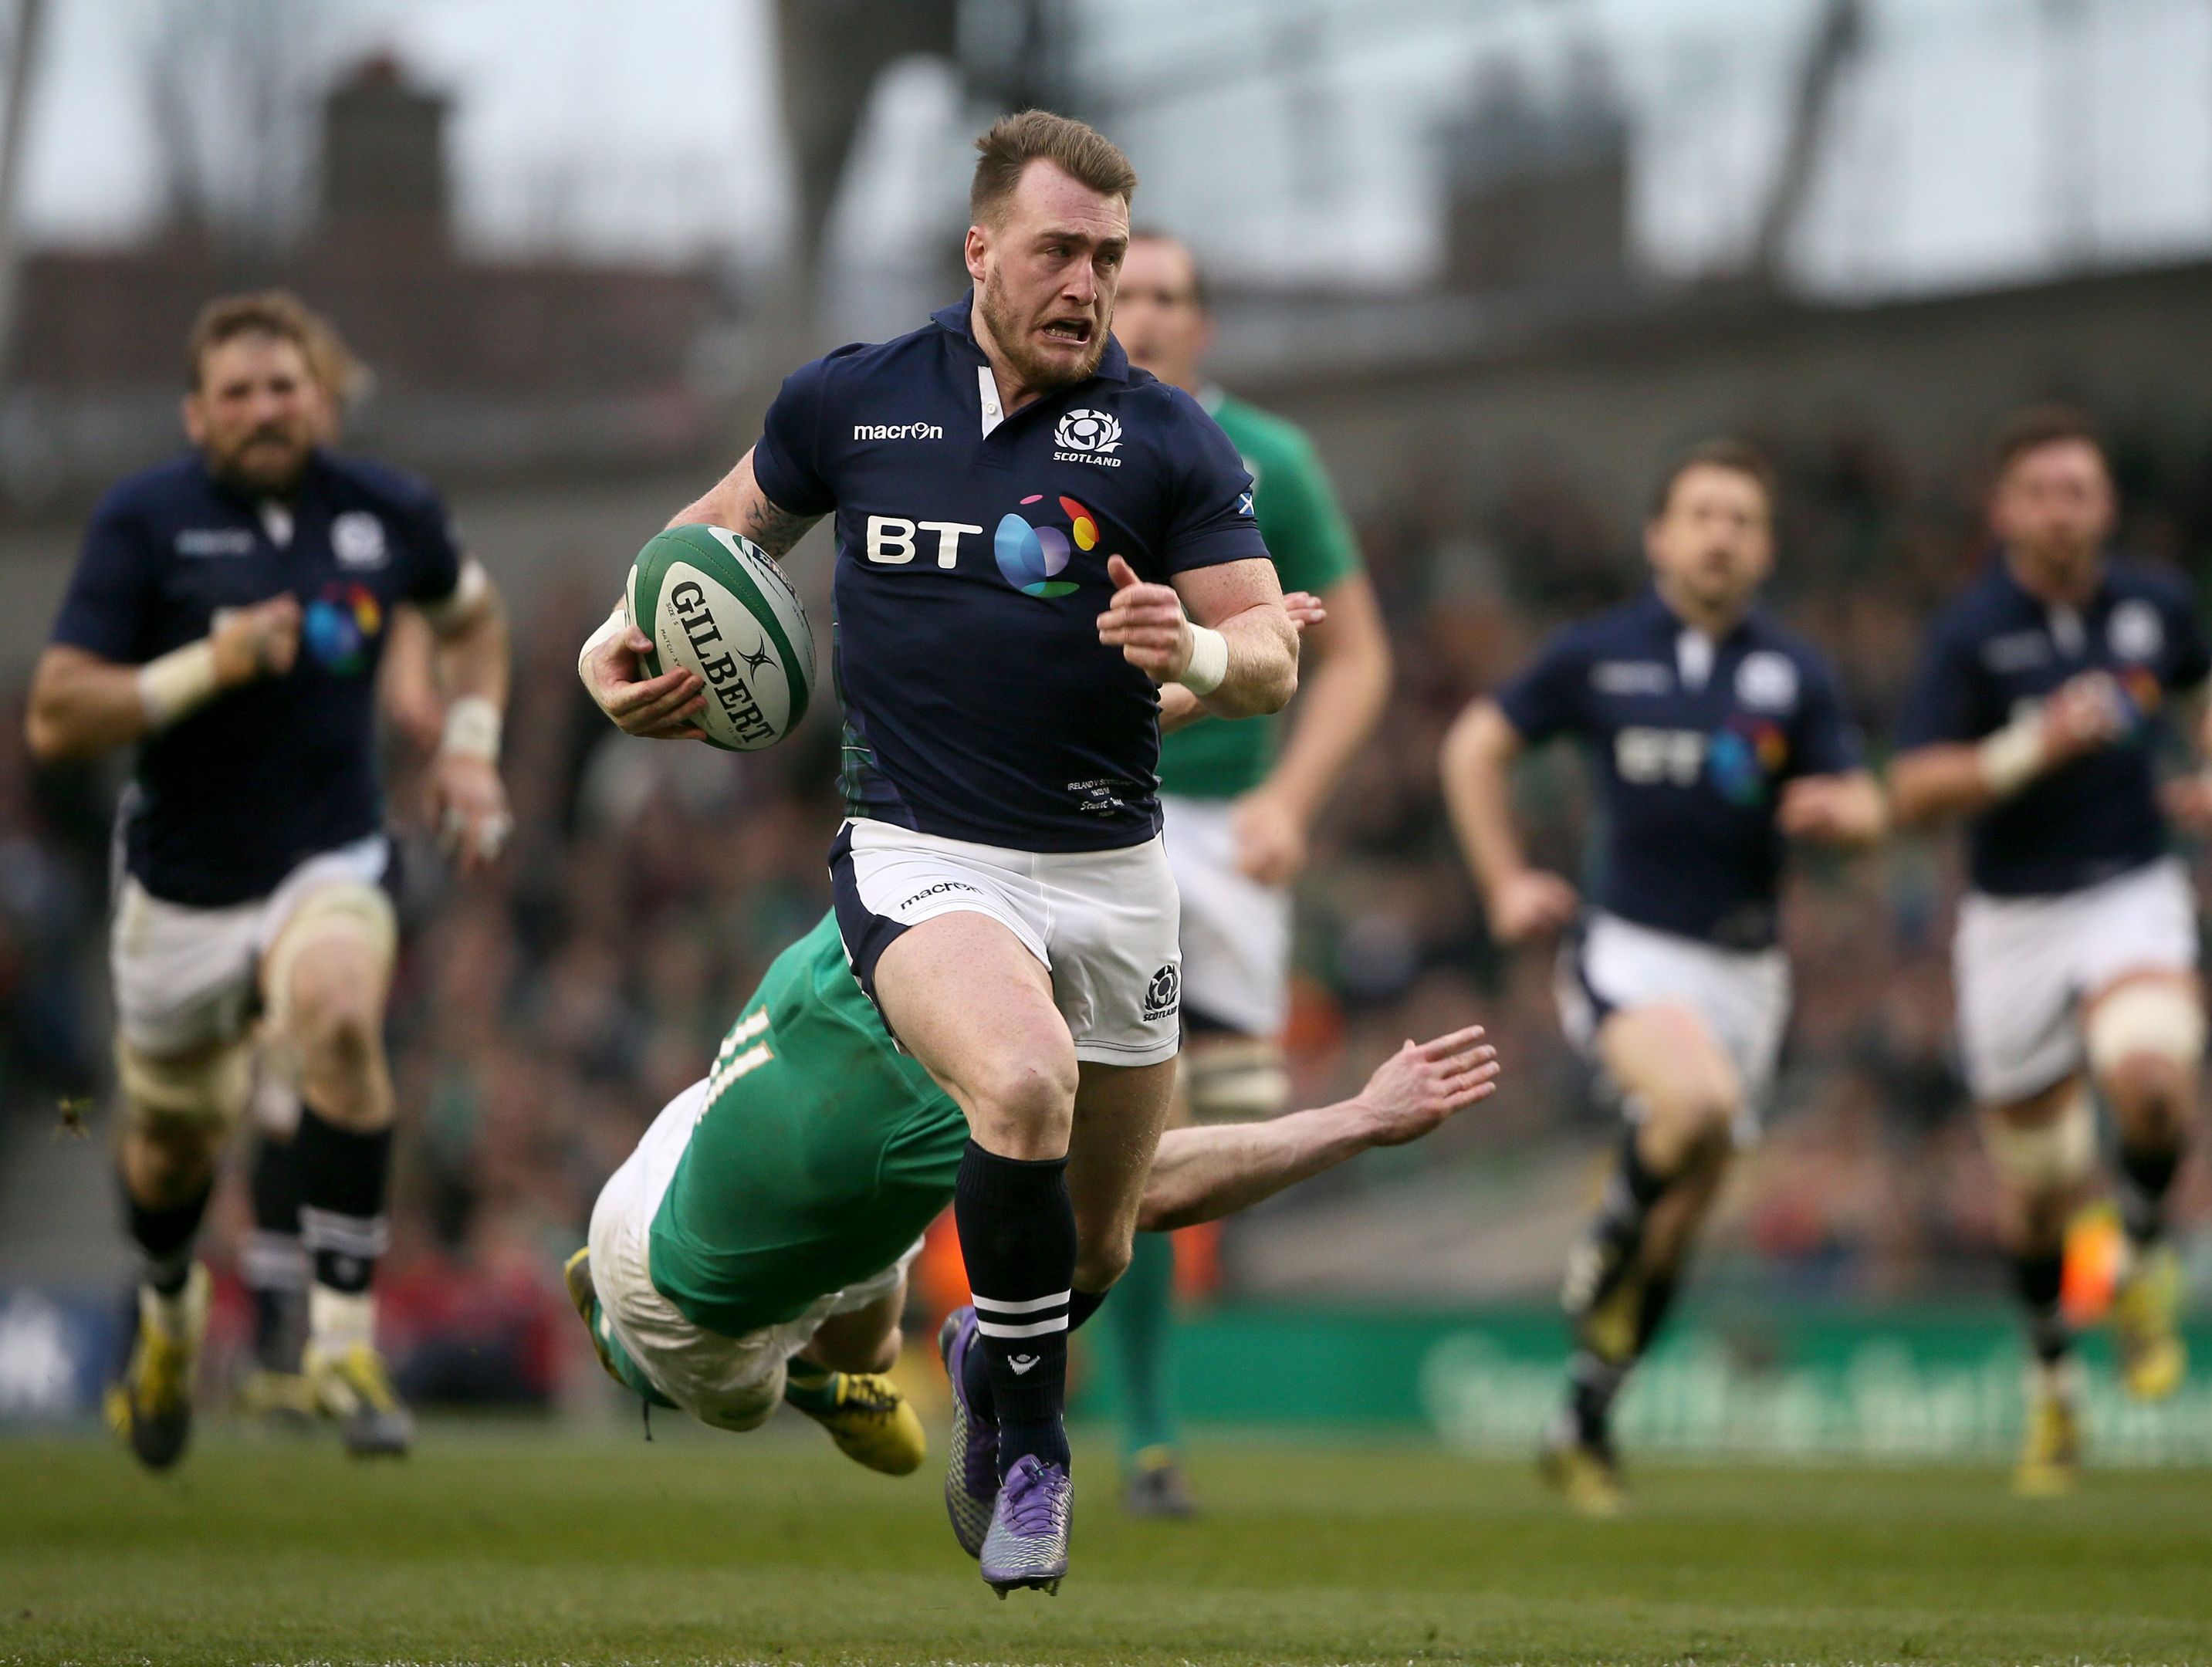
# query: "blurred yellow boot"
[[1587, 1476], [2152, 1356], [152, 1408], [2050, 1447]]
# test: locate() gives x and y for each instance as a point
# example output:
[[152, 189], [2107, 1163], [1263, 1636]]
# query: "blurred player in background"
[[1717, 737], [1000, 883], [2039, 705], [273, 1264], [226, 617], [1238, 801]]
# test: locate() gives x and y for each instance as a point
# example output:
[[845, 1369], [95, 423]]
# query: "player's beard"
[[1010, 332], [266, 463]]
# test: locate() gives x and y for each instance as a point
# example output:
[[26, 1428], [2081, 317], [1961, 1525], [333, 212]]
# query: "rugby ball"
[[716, 604]]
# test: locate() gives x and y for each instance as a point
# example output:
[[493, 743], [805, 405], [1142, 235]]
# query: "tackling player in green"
[[1237, 800], [754, 1248]]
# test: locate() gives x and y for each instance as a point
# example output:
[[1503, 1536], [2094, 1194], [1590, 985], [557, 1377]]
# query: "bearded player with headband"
[[226, 617]]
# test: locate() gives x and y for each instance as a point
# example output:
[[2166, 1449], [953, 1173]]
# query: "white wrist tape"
[[1209, 662], [2014, 756], [614, 624], [472, 728], [179, 682]]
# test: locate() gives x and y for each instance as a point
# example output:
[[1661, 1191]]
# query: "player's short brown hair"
[[2033, 427], [276, 312], [1013, 142], [1737, 456]]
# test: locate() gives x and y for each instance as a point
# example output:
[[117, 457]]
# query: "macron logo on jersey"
[[897, 431]]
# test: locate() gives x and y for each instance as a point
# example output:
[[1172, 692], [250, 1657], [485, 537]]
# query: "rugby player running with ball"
[[1032, 537], [1238, 802], [2042, 697], [226, 617], [1716, 737]]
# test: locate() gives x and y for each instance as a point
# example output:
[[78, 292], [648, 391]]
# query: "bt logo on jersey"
[[1031, 553], [1032, 557]]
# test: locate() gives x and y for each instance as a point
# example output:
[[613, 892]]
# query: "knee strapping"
[[2045, 1156], [2149, 1016], [210, 1086], [348, 910], [1243, 1080]]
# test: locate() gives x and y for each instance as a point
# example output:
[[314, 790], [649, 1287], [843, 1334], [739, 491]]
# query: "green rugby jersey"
[[1313, 549], [822, 1154]]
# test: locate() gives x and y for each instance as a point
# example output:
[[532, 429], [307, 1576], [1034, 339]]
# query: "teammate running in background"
[[755, 1246], [273, 1264], [1716, 736], [2038, 709], [1021, 519], [226, 616], [1239, 800]]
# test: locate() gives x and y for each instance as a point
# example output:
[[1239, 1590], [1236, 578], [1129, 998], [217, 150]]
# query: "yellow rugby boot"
[[866, 1414], [353, 1385], [282, 1400], [2050, 1447], [2153, 1357], [1587, 1476], [152, 1408]]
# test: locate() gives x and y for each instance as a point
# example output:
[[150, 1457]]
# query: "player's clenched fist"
[[260, 640], [659, 708], [1530, 905], [1146, 622]]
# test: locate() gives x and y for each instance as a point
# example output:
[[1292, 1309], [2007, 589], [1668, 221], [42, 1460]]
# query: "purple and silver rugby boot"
[[1027, 1545], [971, 1475]]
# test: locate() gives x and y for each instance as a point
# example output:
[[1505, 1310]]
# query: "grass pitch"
[[512, 1546]]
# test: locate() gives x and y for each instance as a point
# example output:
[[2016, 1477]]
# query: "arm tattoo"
[[773, 530]]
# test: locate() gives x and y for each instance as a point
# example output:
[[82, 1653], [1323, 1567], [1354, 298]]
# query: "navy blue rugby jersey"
[[1691, 741], [971, 570], [1996, 652], [226, 801]]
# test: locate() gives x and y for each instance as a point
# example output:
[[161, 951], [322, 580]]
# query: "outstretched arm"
[[1202, 1174]]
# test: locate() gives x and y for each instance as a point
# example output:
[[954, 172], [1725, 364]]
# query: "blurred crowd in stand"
[[543, 1017]]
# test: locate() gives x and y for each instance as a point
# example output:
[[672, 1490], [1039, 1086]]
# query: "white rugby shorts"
[[1235, 932], [1103, 923], [1610, 964], [730, 1382], [2022, 965], [185, 976]]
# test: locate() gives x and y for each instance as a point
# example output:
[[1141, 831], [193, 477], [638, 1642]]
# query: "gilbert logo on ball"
[[717, 605]]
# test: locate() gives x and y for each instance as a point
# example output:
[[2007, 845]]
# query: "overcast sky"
[[1978, 141]]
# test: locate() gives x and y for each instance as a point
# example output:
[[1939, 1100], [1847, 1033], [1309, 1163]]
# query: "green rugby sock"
[[808, 1387], [1144, 1304], [632, 1376]]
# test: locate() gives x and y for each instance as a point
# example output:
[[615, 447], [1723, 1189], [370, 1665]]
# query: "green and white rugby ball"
[[717, 604]]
